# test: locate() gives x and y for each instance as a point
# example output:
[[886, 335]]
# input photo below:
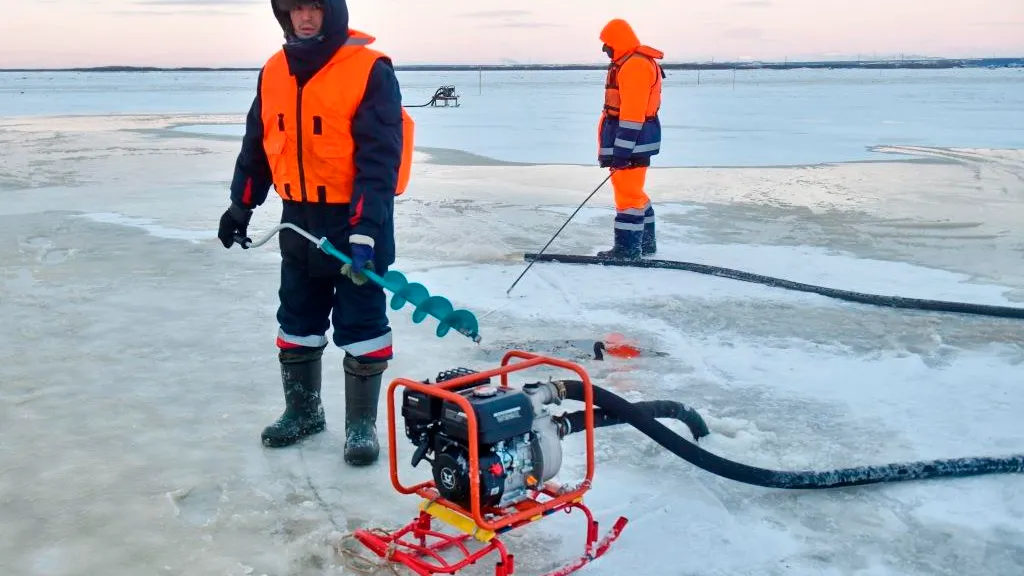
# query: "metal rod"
[[578, 208]]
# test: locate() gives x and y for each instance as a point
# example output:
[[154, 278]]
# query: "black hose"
[[439, 93], [429, 102], [574, 421], [860, 297], [623, 410]]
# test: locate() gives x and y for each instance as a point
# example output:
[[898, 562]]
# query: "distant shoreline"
[[926, 63]]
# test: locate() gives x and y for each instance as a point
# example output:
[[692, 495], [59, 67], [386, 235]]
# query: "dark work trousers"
[[311, 304], [314, 294]]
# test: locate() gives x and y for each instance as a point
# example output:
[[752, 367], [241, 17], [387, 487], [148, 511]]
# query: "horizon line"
[[896, 62]]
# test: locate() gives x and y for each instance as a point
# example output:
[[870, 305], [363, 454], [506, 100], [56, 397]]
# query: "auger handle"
[[322, 243]]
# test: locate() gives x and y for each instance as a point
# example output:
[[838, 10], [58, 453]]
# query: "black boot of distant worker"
[[626, 247], [649, 244]]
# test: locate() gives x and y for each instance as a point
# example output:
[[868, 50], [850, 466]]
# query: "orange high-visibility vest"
[[612, 97], [307, 132]]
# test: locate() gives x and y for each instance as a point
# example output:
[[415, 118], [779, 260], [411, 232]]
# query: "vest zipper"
[[298, 128]]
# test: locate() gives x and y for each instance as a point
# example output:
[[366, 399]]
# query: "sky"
[[216, 33]]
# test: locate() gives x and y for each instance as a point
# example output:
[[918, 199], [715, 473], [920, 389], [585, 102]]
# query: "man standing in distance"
[[328, 131], [629, 134]]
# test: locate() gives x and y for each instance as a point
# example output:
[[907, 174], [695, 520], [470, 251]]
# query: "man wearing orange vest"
[[629, 135], [327, 130]]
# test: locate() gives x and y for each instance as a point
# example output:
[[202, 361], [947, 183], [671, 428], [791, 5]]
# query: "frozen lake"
[[138, 364], [750, 118]]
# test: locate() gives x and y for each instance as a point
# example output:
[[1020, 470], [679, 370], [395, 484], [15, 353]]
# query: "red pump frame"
[[522, 513], [442, 390]]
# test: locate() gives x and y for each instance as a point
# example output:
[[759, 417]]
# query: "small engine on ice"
[[519, 442]]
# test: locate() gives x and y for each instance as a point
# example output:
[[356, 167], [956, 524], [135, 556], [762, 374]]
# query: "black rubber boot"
[[626, 247], [362, 390], [649, 245], [304, 413]]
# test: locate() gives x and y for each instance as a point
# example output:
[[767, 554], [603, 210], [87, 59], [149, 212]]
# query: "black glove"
[[619, 163], [233, 223]]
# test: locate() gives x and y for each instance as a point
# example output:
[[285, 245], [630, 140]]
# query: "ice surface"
[[750, 118], [138, 361], [149, 226]]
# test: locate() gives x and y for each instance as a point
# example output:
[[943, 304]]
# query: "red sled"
[[426, 550]]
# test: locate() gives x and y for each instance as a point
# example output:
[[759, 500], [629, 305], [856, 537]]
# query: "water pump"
[[518, 440], [494, 452]]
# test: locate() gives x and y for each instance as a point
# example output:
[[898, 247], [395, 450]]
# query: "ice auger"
[[463, 321]]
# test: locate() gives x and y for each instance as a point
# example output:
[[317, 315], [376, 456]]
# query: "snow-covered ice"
[[138, 361]]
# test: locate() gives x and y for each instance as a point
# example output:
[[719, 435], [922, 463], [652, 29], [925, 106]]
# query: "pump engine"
[[519, 442]]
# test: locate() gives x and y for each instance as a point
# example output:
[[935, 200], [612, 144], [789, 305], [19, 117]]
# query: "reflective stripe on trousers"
[[379, 347], [286, 340], [374, 348]]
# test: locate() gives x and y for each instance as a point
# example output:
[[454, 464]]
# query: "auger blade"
[[412, 293], [463, 321], [394, 280], [415, 293], [437, 306], [405, 292]]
